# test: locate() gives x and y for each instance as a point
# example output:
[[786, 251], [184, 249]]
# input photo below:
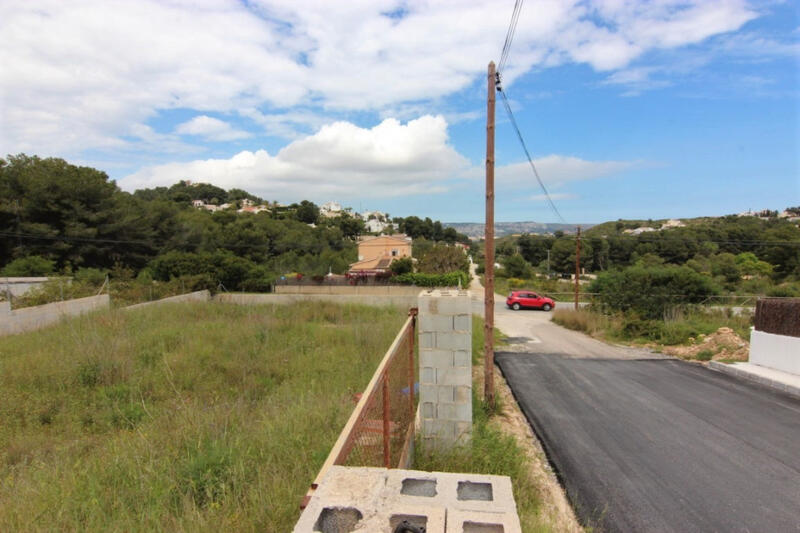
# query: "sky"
[[630, 109]]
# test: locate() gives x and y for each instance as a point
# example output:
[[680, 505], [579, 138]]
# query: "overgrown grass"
[[679, 327], [182, 417], [490, 451]]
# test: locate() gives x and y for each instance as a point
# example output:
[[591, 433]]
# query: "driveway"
[[642, 442]]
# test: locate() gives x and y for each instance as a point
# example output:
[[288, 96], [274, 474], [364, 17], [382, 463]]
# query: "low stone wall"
[[404, 301], [350, 290], [33, 318], [199, 296], [780, 352]]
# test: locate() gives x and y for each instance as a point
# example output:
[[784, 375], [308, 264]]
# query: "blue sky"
[[667, 108]]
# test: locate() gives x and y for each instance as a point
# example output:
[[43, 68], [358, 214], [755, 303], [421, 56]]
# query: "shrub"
[[650, 292], [404, 265], [33, 265], [451, 279]]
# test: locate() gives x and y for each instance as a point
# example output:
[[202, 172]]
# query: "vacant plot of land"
[[179, 417]]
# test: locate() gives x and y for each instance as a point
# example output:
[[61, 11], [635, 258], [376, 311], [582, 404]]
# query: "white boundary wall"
[[199, 296], [779, 352], [33, 318]]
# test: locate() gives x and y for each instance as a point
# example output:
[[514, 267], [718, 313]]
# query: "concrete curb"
[[725, 368]]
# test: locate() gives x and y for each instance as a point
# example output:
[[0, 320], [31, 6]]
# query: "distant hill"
[[503, 229]]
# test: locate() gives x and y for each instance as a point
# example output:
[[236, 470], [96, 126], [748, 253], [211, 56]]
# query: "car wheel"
[[515, 307], [546, 307]]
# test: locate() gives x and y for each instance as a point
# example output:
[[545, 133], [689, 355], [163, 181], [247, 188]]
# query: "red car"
[[519, 299]]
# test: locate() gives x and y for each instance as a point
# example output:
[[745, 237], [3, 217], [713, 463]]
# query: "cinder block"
[[457, 376], [481, 522], [452, 340], [462, 323], [435, 358], [427, 374], [446, 411], [428, 410], [444, 394], [428, 393], [454, 305], [431, 322], [427, 340], [463, 395], [462, 432], [463, 413], [444, 429], [462, 358]]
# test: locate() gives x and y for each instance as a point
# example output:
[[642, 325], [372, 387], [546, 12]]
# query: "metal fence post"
[[411, 336], [386, 451]]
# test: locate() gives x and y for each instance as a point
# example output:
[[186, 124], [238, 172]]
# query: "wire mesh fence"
[[380, 430]]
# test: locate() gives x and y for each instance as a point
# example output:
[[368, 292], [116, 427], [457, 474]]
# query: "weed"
[[704, 355]]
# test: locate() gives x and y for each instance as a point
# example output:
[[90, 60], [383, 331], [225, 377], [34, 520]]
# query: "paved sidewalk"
[[776, 379]]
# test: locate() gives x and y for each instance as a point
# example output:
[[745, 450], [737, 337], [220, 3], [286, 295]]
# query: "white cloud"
[[553, 196], [555, 171], [80, 75], [210, 128], [341, 160]]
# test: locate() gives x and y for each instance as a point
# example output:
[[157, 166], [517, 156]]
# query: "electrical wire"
[[528, 155], [512, 28]]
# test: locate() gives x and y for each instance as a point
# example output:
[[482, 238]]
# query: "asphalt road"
[[662, 445], [644, 442]]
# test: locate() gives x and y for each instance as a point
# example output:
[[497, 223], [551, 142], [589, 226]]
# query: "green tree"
[[441, 259], [650, 291], [515, 266]]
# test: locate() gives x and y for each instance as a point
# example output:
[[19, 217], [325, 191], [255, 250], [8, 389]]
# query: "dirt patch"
[[722, 344]]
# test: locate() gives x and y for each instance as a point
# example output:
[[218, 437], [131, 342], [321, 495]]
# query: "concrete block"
[[462, 323], [435, 358], [431, 322], [462, 358], [428, 410], [454, 305], [444, 429], [482, 522], [428, 392], [457, 376], [427, 340], [453, 340], [445, 394], [427, 374], [463, 395], [462, 432], [463, 412]]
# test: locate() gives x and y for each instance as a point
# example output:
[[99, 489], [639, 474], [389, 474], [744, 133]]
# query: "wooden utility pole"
[[577, 267], [488, 295]]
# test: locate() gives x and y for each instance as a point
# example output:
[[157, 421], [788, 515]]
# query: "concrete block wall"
[[33, 318], [445, 367], [377, 500]]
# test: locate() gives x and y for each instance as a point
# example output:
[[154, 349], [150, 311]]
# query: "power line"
[[513, 121], [504, 54], [512, 28]]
